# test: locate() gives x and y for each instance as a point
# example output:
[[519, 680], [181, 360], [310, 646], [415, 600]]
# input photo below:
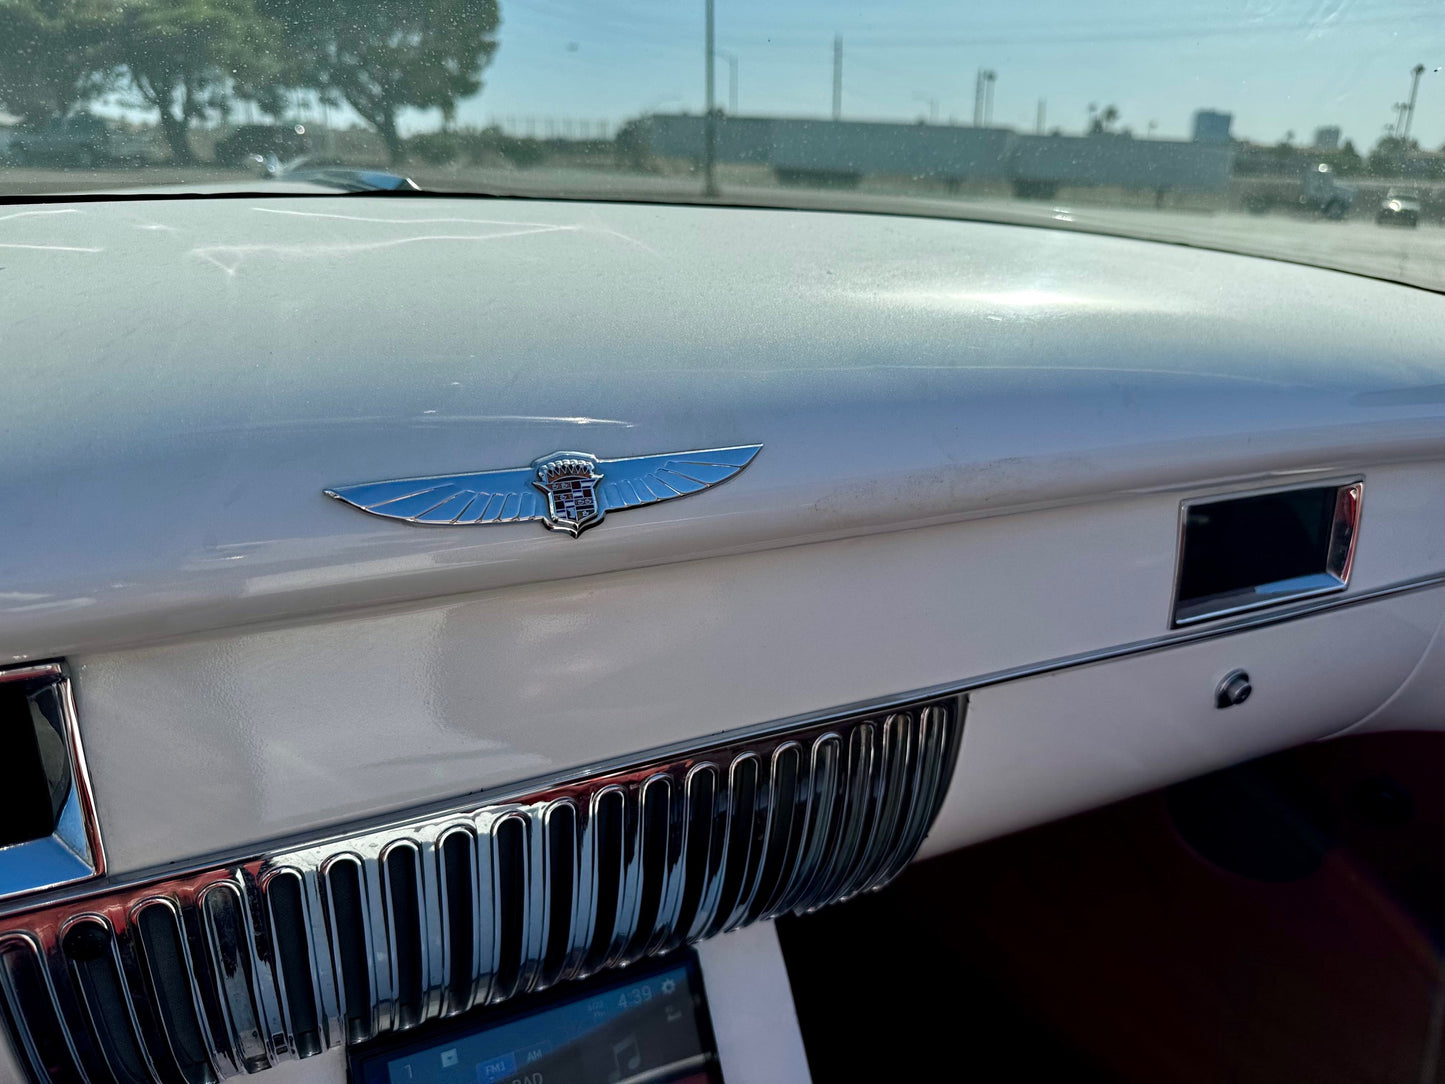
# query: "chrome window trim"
[[1339, 561], [75, 845]]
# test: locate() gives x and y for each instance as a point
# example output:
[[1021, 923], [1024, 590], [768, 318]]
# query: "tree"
[[183, 56], [382, 58], [1099, 123], [1389, 155], [51, 56], [1347, 160]]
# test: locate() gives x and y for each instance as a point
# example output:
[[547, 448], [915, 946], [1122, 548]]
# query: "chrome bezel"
[[73, 852], [1339, 558]]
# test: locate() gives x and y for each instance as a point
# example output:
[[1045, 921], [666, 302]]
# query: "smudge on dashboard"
[[1416, 396]]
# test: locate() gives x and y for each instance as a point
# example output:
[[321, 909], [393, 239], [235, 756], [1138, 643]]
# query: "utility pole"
[[709, 122], [837, 76], [1039, 123], [978, 99], [1415, 73]]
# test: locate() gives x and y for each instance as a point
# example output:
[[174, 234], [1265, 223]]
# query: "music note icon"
[[627, 1057]]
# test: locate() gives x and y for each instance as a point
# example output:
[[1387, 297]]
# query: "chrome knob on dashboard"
[[1234, 689]]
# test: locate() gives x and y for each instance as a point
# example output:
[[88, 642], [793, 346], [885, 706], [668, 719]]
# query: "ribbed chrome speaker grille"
[[243, 965]]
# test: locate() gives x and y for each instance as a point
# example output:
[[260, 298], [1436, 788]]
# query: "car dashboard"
[[1007, 546]]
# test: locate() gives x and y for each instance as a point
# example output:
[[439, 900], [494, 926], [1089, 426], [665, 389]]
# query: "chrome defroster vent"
[[243, 965]]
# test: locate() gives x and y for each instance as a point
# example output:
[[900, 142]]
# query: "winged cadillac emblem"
[[567, 491]]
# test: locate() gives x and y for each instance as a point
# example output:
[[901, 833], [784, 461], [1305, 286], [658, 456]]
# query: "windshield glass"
[[1274, 127]]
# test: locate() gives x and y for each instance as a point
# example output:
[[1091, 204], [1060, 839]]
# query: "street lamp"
[[1415, 73], [709, 122], [919, 96], [983, 97], [732, 62]]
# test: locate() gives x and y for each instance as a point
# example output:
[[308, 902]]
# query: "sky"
[[1278, 65]]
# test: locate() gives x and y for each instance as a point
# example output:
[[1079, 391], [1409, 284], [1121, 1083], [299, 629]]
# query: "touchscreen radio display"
[[641, 1025]]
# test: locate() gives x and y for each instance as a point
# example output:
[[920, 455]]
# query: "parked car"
[[285, 141], [80, 139], [1400, 207]]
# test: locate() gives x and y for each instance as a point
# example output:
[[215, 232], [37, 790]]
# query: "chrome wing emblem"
[[567, 491]]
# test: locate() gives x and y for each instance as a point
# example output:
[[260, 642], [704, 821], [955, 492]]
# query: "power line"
[[1096, 36]]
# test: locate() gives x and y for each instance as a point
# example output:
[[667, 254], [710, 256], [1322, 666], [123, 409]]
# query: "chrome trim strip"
[[765, 801], [431, 915], [284, 993], [786, 828], [452, 979], [264, 980], [892, 782], [27, 673], [488, 932], [151, 1037], [629, 896], [223, 939], [324, 976], [1345, 531], [719, 828], [26, 945], [823, 784], [669, 899], [65, 999], [932, 761], [381, 954], [537, 910]]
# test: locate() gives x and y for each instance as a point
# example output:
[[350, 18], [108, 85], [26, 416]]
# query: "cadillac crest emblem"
[[571, 488], [567, 491]]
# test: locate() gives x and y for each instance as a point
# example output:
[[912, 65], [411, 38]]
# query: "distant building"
[[1327, 138], [1211, 126]]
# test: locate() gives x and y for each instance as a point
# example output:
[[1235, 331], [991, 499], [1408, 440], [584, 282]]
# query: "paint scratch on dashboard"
[[590, 227], [404, 221], [52, 248], [608, 232], [229, 258], [35, 214]]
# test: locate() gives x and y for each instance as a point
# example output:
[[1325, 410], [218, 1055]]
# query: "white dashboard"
[[979, 445]]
